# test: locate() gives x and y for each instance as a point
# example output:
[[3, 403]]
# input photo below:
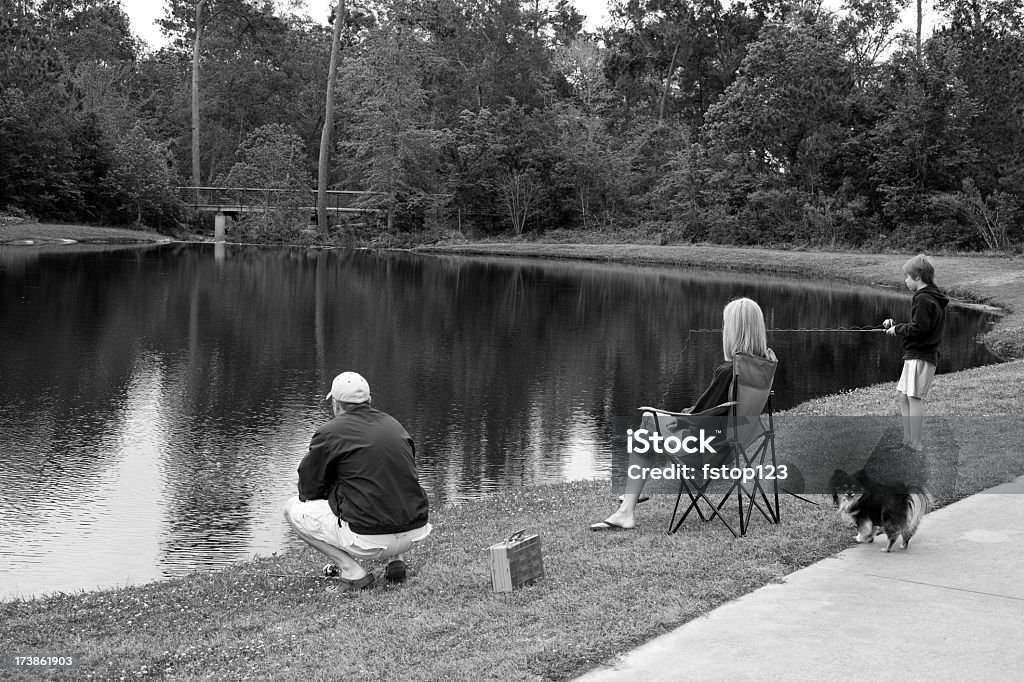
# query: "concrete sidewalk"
[[952, 607]]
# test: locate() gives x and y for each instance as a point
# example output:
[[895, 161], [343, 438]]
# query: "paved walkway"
[[952, 607]]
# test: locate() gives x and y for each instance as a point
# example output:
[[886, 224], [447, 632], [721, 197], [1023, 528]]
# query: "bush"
[[141, 178], [772, 216], [993, 218]]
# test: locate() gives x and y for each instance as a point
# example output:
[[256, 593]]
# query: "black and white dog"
[[870, 506]]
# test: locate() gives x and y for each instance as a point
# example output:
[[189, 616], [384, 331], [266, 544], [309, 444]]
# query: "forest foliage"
[[751, 122]]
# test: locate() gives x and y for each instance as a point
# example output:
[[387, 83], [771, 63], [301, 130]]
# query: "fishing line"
[[868, 328], [812, 330], [686, 342]]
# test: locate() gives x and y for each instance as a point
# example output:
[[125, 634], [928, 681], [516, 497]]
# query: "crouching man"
[[359, 494]]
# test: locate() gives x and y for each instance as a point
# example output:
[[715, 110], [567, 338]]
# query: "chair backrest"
[[751, 385]]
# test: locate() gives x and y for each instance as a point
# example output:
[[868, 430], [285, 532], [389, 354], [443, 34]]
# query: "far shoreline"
[[999, 287], [994, 283]]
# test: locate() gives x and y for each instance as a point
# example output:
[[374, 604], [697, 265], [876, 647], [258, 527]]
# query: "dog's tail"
[[919, 503]]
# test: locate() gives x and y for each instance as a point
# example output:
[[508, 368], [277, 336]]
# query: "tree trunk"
[[919, 16], [322, 222], [668, 81], [195, 98]]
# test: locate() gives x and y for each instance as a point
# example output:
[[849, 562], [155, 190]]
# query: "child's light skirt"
[[916, 378]]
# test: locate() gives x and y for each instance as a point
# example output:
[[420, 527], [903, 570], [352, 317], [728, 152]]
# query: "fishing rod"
[[870, 328], [866, 329]]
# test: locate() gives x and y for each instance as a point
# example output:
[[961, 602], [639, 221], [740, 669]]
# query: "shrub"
[[992, 217]]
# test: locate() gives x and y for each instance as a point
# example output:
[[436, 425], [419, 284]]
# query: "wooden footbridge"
[[257, 200], [225, 201]]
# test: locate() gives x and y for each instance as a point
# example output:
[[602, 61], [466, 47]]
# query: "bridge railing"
[[257, 199]]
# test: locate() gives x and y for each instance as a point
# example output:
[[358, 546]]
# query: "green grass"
[[603, 593], [981, 391], [43, 233]]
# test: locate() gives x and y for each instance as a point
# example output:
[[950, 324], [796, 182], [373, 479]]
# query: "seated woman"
[[743, 331]]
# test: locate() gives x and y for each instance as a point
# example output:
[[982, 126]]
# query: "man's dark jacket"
[[922, 335], [364, 464]]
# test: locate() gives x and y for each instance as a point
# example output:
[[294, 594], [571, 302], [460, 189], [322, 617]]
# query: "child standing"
[[920, 338]]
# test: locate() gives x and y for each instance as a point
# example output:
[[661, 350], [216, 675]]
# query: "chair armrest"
[[715, 411], [710, 412], [658, 410]]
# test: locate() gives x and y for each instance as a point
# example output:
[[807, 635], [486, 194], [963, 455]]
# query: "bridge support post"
[[218, 227]]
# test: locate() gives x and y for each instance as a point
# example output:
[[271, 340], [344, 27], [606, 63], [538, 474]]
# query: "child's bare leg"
[[904, 402], [915, 418]]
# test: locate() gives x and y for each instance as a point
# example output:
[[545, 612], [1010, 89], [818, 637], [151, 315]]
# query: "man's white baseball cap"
[[349, 387]]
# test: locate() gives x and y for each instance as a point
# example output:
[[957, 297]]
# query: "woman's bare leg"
[[624, 516]]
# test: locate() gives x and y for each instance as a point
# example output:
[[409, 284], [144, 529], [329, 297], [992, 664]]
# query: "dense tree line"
[[747, 122]]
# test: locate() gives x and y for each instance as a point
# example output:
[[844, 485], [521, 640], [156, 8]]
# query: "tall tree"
[[788, 104], [922, 142], [196, 179], [390, 149], [868, 29], [671, 60], [89, 30], [920, 20], [240, 49], [323, 167], [581, 63]]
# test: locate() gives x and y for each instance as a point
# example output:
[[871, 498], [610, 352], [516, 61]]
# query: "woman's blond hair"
[[743, 329]]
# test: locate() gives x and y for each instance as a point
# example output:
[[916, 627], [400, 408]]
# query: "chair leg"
[[695, 498], [773, 512], [769, 511], [671, 522], [768, 515], [775, 468], [739, 498], [672, 525]]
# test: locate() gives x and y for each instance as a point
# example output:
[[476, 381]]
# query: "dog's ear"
[[838, 476], [864, 480]]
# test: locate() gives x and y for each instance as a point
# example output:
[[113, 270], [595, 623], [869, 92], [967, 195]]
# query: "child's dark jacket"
[[922, 335]]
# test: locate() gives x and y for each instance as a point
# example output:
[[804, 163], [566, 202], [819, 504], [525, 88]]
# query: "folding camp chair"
[[748, 439]]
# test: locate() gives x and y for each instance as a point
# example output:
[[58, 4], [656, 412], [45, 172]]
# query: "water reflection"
[[155, 402]]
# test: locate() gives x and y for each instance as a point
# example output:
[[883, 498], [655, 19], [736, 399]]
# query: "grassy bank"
[[604, 592], [17, 233], [271, 619]]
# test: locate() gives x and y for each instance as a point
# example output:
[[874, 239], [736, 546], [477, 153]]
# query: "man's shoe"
[[364, 583], [395, 572], [330, 571]]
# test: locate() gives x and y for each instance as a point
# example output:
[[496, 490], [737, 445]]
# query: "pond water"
[[155, 402]]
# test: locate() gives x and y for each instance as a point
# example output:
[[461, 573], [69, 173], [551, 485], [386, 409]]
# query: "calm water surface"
[[155, 402]]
